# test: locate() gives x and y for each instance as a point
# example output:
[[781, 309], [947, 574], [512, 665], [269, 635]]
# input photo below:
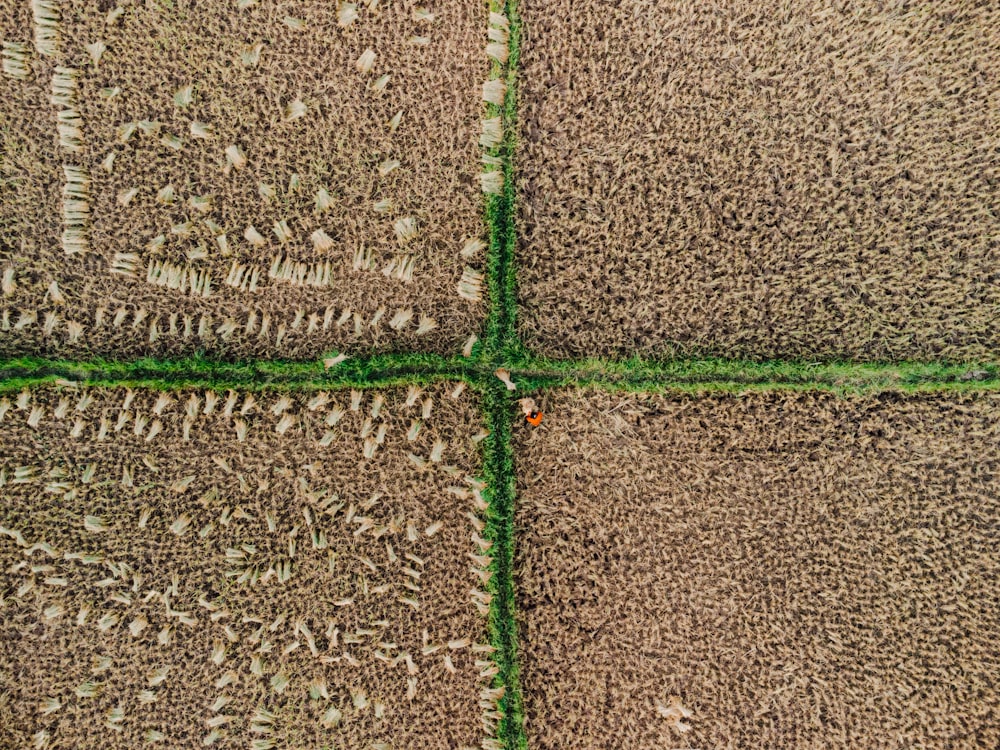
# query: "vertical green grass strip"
[[498, 471], [501, 210], [499, 347]]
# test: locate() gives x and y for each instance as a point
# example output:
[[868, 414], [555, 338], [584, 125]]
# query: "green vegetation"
[[374, 372], [530, 373], [500, 346], [737, 376], [499, 473], [501, 343]]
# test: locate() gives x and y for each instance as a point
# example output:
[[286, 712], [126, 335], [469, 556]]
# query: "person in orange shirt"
[[532, 413]]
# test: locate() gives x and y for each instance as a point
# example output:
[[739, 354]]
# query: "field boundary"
[[501, 344], [736, 376], [378, 371], [500, 475], [501, 341], [682, 376]]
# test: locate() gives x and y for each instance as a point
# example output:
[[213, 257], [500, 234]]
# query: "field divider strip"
[[501, 206], [500, 475], [733, 376], [378, 371], [715, 375], [500, 344]]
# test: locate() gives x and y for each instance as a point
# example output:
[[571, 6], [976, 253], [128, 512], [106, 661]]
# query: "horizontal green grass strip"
[[378, 371], [704, 375], [709, 375]]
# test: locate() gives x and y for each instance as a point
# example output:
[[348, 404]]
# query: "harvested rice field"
[[215, 532], [747, 180], [770, 570], [261, 570], [244, 178]]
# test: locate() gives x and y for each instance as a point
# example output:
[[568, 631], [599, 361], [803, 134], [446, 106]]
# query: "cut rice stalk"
[[366, 62], [494, 92], [470, 286], [492, 182], [47, 26], [405, 229], [16, 60], [492, 133]]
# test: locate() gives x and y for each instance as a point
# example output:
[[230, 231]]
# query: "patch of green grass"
[[499, 473], [708, 375], [196, 372], [737, 376], [501, 210], [500, 345]]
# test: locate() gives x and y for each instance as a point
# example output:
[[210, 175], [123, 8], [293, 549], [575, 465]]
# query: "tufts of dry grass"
[[236, 569], [31, 171], [306, 139], [744, 181], [15, 57], [774, 570]]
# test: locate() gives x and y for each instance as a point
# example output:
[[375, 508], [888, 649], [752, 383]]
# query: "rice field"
[[243, 569], [745, 180], [216, 531], [771, 570], [251, 179]]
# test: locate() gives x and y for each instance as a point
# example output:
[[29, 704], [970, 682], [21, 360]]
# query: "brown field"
[[241, 570], [799, 570], [238, 178], [736, 178]]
